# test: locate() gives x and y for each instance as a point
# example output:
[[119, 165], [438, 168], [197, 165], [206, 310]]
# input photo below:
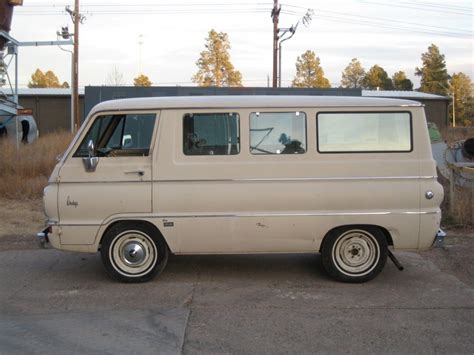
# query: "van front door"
[[119, 184]]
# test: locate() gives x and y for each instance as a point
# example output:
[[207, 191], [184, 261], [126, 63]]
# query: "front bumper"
[[49, 237], [43, 237]]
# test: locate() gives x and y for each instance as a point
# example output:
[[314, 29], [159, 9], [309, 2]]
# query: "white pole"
[[15, 48], [72, 95], [17, 133], [454, 114]]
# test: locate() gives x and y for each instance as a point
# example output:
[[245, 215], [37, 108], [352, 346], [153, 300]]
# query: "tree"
[[115, 78], [401, 82], [309, 73], [141, 80], [45, 80], [377, 78], [433, 73], [214, 65], [460, 86], [353, 75]]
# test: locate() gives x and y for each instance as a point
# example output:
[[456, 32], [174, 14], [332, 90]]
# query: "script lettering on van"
[[70, 202]]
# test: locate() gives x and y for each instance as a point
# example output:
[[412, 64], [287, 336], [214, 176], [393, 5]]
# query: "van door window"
[[120, 135], [211, 134], [278, 132]]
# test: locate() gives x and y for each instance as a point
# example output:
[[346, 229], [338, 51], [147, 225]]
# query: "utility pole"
[[77, 19], [275, 16], [75, 86], [278, 39]]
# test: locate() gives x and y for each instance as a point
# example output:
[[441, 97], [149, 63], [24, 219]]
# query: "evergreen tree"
[[353, 75], [401, 82], [433, 73], [460, 86], [214, 65], [45, 80], [142, 80], [377, 78], [309, 73]]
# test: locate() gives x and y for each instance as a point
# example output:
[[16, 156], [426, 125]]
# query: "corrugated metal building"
[[436, 106], [52, 107]]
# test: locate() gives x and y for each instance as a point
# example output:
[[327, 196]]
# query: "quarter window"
[[211, 134], [364, 132], [277, 133], [120, 135]]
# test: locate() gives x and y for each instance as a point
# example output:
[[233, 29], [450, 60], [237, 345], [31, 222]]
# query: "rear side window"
[[364, 132], [120, 135], [277, 133], [211, 134]]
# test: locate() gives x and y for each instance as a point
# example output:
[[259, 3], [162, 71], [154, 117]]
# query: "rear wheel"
[[133, 252], [354, 254]]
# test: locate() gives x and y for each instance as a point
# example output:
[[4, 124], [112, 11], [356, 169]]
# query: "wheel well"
[[138, 221], [385, 232]]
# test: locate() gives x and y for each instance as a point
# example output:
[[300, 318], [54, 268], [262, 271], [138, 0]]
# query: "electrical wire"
[[386, 20], [236, 8], [383, 25]]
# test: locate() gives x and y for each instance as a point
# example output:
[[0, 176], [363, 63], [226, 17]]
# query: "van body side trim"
[[260, 179], [306, 179], [237, 215]]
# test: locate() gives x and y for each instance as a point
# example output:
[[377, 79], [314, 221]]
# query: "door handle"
[[139, 172]]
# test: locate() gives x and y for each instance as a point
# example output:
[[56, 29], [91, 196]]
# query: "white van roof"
[[246, 101]]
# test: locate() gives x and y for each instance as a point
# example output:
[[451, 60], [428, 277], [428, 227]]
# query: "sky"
[[173, 32]]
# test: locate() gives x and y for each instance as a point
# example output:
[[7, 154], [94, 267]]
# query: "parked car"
[[22, 127]]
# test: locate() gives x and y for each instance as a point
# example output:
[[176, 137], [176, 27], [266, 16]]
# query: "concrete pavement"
[[61, 302]]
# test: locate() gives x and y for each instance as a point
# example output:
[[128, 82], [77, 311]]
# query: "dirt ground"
[[21, 220]]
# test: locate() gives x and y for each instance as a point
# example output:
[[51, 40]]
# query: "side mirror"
[[90, 163]]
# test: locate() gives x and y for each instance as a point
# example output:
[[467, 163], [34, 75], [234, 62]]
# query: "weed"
[[25, 172]]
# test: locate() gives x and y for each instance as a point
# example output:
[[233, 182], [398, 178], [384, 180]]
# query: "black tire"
[[133, 252], [354, 254]]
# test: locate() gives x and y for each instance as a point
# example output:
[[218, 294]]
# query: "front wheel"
[[133, 252], [354, 254]]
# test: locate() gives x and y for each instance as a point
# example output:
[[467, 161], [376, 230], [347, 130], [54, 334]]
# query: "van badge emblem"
[[70, 202], [167, 223]]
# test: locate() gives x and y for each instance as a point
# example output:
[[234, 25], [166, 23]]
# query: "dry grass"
[[25, 172]]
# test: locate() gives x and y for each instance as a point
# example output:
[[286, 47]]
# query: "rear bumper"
[[439, 239]]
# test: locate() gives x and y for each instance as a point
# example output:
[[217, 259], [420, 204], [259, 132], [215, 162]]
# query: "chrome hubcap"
[[133, 253]]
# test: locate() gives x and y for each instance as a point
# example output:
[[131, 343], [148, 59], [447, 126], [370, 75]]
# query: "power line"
[[415, 6], [386, 20], [157, 9], [386, 25]]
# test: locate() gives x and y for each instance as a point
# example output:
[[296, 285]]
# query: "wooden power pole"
[[75, 84], [275, 16]]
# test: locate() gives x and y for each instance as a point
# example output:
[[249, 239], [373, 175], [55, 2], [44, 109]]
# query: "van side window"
[[278, 132], [211, 134], [352, 132], [120, 135]]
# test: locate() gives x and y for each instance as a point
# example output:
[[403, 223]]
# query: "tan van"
[[348, 177]]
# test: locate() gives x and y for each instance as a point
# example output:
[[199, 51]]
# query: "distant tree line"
[[215, 68]]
